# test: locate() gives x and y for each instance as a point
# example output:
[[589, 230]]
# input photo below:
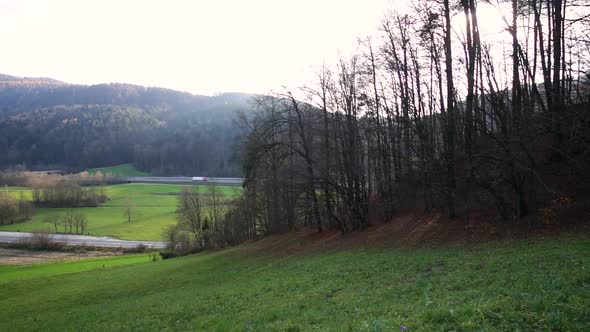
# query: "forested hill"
[[48, 123]]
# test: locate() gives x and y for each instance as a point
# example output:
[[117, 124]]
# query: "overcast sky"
[[196, 46]]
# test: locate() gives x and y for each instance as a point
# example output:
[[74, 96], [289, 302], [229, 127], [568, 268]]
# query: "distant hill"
[[15, 81], [45, 122]]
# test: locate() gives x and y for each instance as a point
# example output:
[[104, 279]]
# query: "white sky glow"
[[197, 46]]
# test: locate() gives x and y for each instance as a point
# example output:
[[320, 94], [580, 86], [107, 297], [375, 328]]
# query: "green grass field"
[[155, 209], [17, 192], [22, 272], [120, 170], [524, 286]]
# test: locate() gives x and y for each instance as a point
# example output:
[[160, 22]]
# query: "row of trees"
[[72, 223], [42, 179], [67, 193], [426, 115]]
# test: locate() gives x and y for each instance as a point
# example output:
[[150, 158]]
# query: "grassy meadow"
[[541, 285], [119, 170], [155, 206]]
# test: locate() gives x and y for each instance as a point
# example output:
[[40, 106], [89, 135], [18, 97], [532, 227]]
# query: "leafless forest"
[[426, 116]]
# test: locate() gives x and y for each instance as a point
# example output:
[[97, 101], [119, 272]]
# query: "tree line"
[[67, 193], [72, 223]]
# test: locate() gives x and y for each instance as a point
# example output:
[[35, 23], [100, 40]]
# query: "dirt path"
[[21, 256]]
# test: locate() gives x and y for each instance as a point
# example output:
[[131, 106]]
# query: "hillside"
[[119, 170], [44, 122], [537, 285]]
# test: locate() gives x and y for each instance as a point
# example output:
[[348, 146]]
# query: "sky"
[[202, 47]]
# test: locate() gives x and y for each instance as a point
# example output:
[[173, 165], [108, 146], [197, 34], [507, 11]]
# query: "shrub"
[[167, 254], [140, 248], [180, 241], [42, 240]]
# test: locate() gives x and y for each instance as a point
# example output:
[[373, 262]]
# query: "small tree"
[[129, 209], [68, 220], [81, 222], [52, 220], [190, 213], [83, 225], [216, 211]]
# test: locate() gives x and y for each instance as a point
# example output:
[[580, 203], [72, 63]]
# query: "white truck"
[[199, 178]]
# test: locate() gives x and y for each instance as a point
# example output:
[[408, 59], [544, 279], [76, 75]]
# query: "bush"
[[180, 241], [88, 248], [140, 248], [42, 240], [167, 254]]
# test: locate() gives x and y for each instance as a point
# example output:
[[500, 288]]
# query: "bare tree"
[[129, 209], [191, 214], [53, 220]]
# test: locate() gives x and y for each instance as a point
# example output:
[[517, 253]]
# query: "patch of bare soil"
[[11, 256]]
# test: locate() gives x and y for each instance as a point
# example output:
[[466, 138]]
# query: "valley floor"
[[541, 284], [154, 210]]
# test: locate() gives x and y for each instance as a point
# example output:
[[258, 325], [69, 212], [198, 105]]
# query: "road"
[[77, 240], [183, 179]]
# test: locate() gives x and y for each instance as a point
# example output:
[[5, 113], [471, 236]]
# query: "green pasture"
[[119, 170], [541, 285], [17, 192]]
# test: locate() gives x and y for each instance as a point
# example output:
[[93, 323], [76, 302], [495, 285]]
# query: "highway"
[[78, 240], [183, 180]]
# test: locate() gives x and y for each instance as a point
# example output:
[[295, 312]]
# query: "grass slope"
[[155, 209], [120, 170], [526, 286]]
